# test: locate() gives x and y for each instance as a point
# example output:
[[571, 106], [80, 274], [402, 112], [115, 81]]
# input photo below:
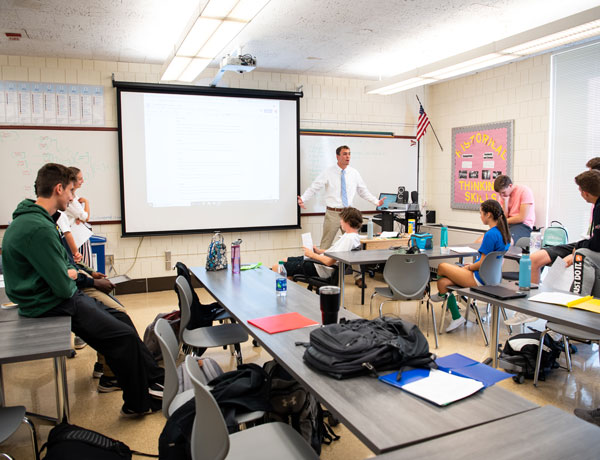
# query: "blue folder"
[[466, 367]]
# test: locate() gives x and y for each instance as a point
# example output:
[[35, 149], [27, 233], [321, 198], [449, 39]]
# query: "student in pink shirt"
[[520, 209]]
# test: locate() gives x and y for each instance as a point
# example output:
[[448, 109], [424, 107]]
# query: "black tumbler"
[[330, 304]]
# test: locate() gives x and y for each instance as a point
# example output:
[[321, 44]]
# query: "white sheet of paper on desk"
[[558, 298], [388, 234], [307, 241], [462, 249], [559, 276], [80, 234], [442, 388]]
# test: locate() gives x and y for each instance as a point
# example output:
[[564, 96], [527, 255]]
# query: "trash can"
[[98, 244]]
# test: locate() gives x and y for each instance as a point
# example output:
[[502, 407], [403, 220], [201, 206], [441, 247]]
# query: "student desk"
[[378, 256], [381, 416], [547, 432], [573, 317], [27, 339]]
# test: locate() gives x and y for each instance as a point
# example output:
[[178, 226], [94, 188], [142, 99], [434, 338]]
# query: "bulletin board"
[[480, 154]]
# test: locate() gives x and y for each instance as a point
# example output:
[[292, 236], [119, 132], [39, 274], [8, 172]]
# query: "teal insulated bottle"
[[525, 273], [444, 237]]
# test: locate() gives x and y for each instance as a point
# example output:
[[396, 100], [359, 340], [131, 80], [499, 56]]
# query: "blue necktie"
[[344, 196]]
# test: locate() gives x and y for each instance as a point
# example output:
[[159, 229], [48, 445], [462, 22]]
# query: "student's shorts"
[[562, 251]]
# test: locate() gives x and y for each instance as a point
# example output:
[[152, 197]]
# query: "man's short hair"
[[501, 182], [352, 217], [594, 163], [49, 176], [340, 148], [589, 181]]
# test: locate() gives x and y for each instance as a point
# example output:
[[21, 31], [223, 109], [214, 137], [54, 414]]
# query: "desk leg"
[[341, 272], [2, 402], [495, 333], [62, 394]]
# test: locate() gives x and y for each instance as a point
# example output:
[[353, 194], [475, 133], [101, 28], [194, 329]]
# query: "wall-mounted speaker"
[[430, 217]]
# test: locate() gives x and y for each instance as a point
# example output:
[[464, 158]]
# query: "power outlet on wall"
[[168, 260], [110, 260]]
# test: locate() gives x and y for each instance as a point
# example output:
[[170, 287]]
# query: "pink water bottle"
[[235, 256]]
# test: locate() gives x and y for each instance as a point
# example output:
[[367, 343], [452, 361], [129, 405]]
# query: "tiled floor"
[[31, 384]]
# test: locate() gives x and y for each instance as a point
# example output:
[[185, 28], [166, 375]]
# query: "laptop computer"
[[499, 292], [388, 198]]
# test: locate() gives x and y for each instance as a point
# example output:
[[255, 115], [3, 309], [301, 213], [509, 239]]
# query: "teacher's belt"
[[334, 209]]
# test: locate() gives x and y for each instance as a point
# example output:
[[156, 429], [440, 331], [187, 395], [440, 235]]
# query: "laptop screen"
[[388, 198]]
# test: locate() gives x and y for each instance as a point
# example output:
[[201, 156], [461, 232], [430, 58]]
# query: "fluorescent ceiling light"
[[215, 27], [581, 26]]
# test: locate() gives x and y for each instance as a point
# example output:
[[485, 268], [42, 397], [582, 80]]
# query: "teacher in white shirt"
[[341, 183]]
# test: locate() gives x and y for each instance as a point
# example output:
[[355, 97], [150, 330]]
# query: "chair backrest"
[[523, 242], [407, 275], [170, 350], [491, 268], [185, 301], [210, 438]]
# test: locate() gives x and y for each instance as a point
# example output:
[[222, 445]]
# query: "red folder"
[[283, 322]]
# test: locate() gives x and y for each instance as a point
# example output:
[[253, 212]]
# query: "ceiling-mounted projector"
[[242, 63]]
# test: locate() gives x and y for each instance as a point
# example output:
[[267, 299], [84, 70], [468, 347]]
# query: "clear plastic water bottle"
[[370, 229], [281, 281], [525, 272], [535, 242]]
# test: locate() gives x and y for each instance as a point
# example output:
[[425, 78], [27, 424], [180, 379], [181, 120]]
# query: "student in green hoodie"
[[40, 279]]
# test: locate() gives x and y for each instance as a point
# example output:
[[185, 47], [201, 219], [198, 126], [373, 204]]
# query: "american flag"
[[422, 124]]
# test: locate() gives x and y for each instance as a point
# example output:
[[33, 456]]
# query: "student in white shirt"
[[350, 222], [341, 183], [77, 213]]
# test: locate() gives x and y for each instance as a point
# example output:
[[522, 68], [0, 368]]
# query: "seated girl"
[[350, 223], [497, 238]]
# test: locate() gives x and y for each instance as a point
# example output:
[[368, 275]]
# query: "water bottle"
[[444, 237], [370, 229], [535, 242], [281, 281], [525, 272], [235, 257]]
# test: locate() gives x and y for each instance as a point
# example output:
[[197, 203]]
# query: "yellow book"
[[586, 303]]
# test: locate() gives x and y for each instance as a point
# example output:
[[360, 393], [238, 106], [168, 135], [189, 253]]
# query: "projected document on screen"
[[200, 162]]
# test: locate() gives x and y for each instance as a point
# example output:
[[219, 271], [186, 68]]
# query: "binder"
[[463, 366], [282, 323]]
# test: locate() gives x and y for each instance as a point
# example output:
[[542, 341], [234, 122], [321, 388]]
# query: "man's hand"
[[380, 202], [77, 257], [72, 273], [301, 203], [309, 253], [98, 275], [103, 285], [569, 260], [82, 200]]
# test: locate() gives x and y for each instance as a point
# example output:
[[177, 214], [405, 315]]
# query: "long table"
[[377, 256], [546, 433], [381, 416], [573, 317]]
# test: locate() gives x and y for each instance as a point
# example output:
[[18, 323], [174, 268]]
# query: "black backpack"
[[361, 346], [292, 404], [524, 347]]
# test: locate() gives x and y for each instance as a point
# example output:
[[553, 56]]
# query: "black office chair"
[[315, 282]]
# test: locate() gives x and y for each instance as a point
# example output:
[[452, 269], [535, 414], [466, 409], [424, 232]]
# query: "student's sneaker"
[[520, 318], [98, 370], [437, 297], [455, 323], [79, 343], [156, 390], [108, 384], [592, 416], [155, 406]]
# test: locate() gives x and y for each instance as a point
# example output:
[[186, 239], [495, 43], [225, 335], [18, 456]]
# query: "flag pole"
[[433, 130]]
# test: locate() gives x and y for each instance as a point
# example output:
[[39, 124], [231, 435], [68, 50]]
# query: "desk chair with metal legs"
[[490, 272], [407, 276], [10, 421]]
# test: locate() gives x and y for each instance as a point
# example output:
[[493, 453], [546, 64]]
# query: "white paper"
[[388, 234], [80, 234], [558, 298], [442, 388], [488, 164], [467, 164], [559, 276], [307, 242], [462, 249], [119, 279]]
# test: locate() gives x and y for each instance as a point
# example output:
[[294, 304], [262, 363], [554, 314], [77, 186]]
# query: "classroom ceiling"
[[346, 38]]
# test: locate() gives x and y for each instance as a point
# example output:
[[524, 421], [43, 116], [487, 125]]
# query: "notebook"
[[499, 292], [283, 322], [388, 198]]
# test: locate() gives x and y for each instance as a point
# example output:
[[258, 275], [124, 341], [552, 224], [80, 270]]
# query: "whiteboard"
[[384, 164], [23, 152]]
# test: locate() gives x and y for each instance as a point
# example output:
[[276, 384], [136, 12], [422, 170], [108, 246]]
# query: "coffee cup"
[[330, 304]]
